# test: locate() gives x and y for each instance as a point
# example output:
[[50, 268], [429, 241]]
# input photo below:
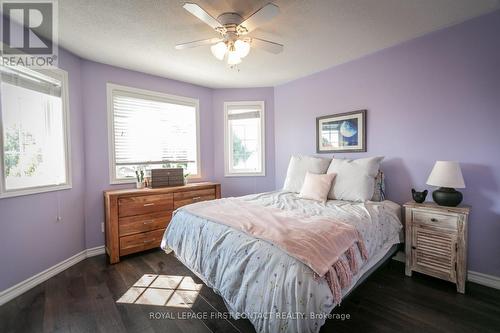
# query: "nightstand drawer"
[[434, 219]]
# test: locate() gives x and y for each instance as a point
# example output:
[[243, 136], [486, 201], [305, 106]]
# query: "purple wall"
[[436, 97], [31, 239], [94, 79], [237, 186]]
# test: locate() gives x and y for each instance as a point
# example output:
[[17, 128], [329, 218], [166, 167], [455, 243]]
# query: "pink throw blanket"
[[318, 242]]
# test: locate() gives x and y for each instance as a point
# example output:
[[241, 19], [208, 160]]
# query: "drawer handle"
[[148, 222], [149, 241], [434, 219], [149, 204], [414, 247], [196, 198]]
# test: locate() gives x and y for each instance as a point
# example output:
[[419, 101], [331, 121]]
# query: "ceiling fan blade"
[[201, 14], [260, 17], [267, 45], [197, 43]]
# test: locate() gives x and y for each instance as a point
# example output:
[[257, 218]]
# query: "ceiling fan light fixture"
[[233, 43], [242, 48], [233, 58], [219, 50]]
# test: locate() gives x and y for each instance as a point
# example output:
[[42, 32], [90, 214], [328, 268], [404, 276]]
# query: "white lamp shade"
[[242, 48], [219, 50], [233, 58], [446, 174]]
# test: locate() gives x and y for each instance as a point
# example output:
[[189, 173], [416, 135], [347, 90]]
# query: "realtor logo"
[[29, 33]]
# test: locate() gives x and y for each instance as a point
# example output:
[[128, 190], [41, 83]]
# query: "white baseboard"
[[95, 251], [484, 279], [23, 286], [475, 277]]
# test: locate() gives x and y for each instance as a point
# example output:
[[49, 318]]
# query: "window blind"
[[235, 112], [29, 79], [149, 130]]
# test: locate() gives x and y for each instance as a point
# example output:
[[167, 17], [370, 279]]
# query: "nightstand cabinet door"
[[434, 252]]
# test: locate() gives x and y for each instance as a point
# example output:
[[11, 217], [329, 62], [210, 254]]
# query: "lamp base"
[[446, 196]]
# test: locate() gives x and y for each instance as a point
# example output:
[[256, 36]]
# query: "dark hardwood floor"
[[83, 299]]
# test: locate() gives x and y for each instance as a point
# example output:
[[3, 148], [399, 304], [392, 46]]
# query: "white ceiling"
[[141, 34]]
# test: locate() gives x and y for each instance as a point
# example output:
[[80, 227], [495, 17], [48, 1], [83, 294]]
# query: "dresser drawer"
[[144, 204], [189, 197], [437, 220], [140, 223], [141, 242]]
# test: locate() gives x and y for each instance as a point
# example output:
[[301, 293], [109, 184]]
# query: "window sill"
[[129, 181], [258, 174], [18, 193]]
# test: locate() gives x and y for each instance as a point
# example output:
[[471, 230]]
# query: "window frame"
[[62, 76], [227, 170], [154, 95]]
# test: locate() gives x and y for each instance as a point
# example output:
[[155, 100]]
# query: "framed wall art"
[[341, 133]]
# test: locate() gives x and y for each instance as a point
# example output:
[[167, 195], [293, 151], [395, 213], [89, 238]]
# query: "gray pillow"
[[355, 178], [298, 167]]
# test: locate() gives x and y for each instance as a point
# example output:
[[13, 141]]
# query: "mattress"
[[260, 282]]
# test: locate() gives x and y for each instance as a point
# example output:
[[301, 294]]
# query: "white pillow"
[[355, 179], [316, 187], [297, 168]]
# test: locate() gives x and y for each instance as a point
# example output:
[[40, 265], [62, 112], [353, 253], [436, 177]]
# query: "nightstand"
[[436, 241]]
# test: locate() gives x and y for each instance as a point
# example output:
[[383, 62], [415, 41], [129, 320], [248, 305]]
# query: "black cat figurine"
[[419, 197]]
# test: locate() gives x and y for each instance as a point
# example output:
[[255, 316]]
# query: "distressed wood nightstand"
[[436, 241]]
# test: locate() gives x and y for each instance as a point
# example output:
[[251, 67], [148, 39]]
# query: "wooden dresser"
[[436, 241], [136, 219]]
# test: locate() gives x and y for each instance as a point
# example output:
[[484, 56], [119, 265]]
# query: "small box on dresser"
[[436, 241], [137, 218]]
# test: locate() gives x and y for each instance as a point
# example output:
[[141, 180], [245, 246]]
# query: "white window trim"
[[227, 173], [62, 76], [110, 89]]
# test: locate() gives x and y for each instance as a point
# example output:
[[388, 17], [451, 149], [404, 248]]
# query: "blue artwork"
[[343, 132]]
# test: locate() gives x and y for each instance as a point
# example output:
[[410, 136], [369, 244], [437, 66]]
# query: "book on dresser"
[[137, 218]]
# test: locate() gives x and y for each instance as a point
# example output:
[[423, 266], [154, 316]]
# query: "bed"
[[264, 284]]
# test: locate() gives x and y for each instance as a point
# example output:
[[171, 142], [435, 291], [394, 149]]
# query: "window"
[[149, 130], [34, 131], [244, 143]]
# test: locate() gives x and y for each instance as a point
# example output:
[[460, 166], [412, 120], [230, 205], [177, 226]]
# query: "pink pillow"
[[316, 187]]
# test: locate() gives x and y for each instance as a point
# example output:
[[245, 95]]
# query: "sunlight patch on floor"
[[165, 290]]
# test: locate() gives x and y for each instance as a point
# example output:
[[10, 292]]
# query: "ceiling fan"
[[233, 43]]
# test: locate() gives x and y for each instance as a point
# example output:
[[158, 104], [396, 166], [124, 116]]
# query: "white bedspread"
[[262, 283]]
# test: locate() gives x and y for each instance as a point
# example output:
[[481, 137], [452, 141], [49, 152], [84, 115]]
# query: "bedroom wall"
[[94, 79], [31, 239], [237, 186], [436, 97]]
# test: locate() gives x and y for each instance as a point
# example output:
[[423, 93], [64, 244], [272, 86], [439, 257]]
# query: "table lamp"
[[448, 176]]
